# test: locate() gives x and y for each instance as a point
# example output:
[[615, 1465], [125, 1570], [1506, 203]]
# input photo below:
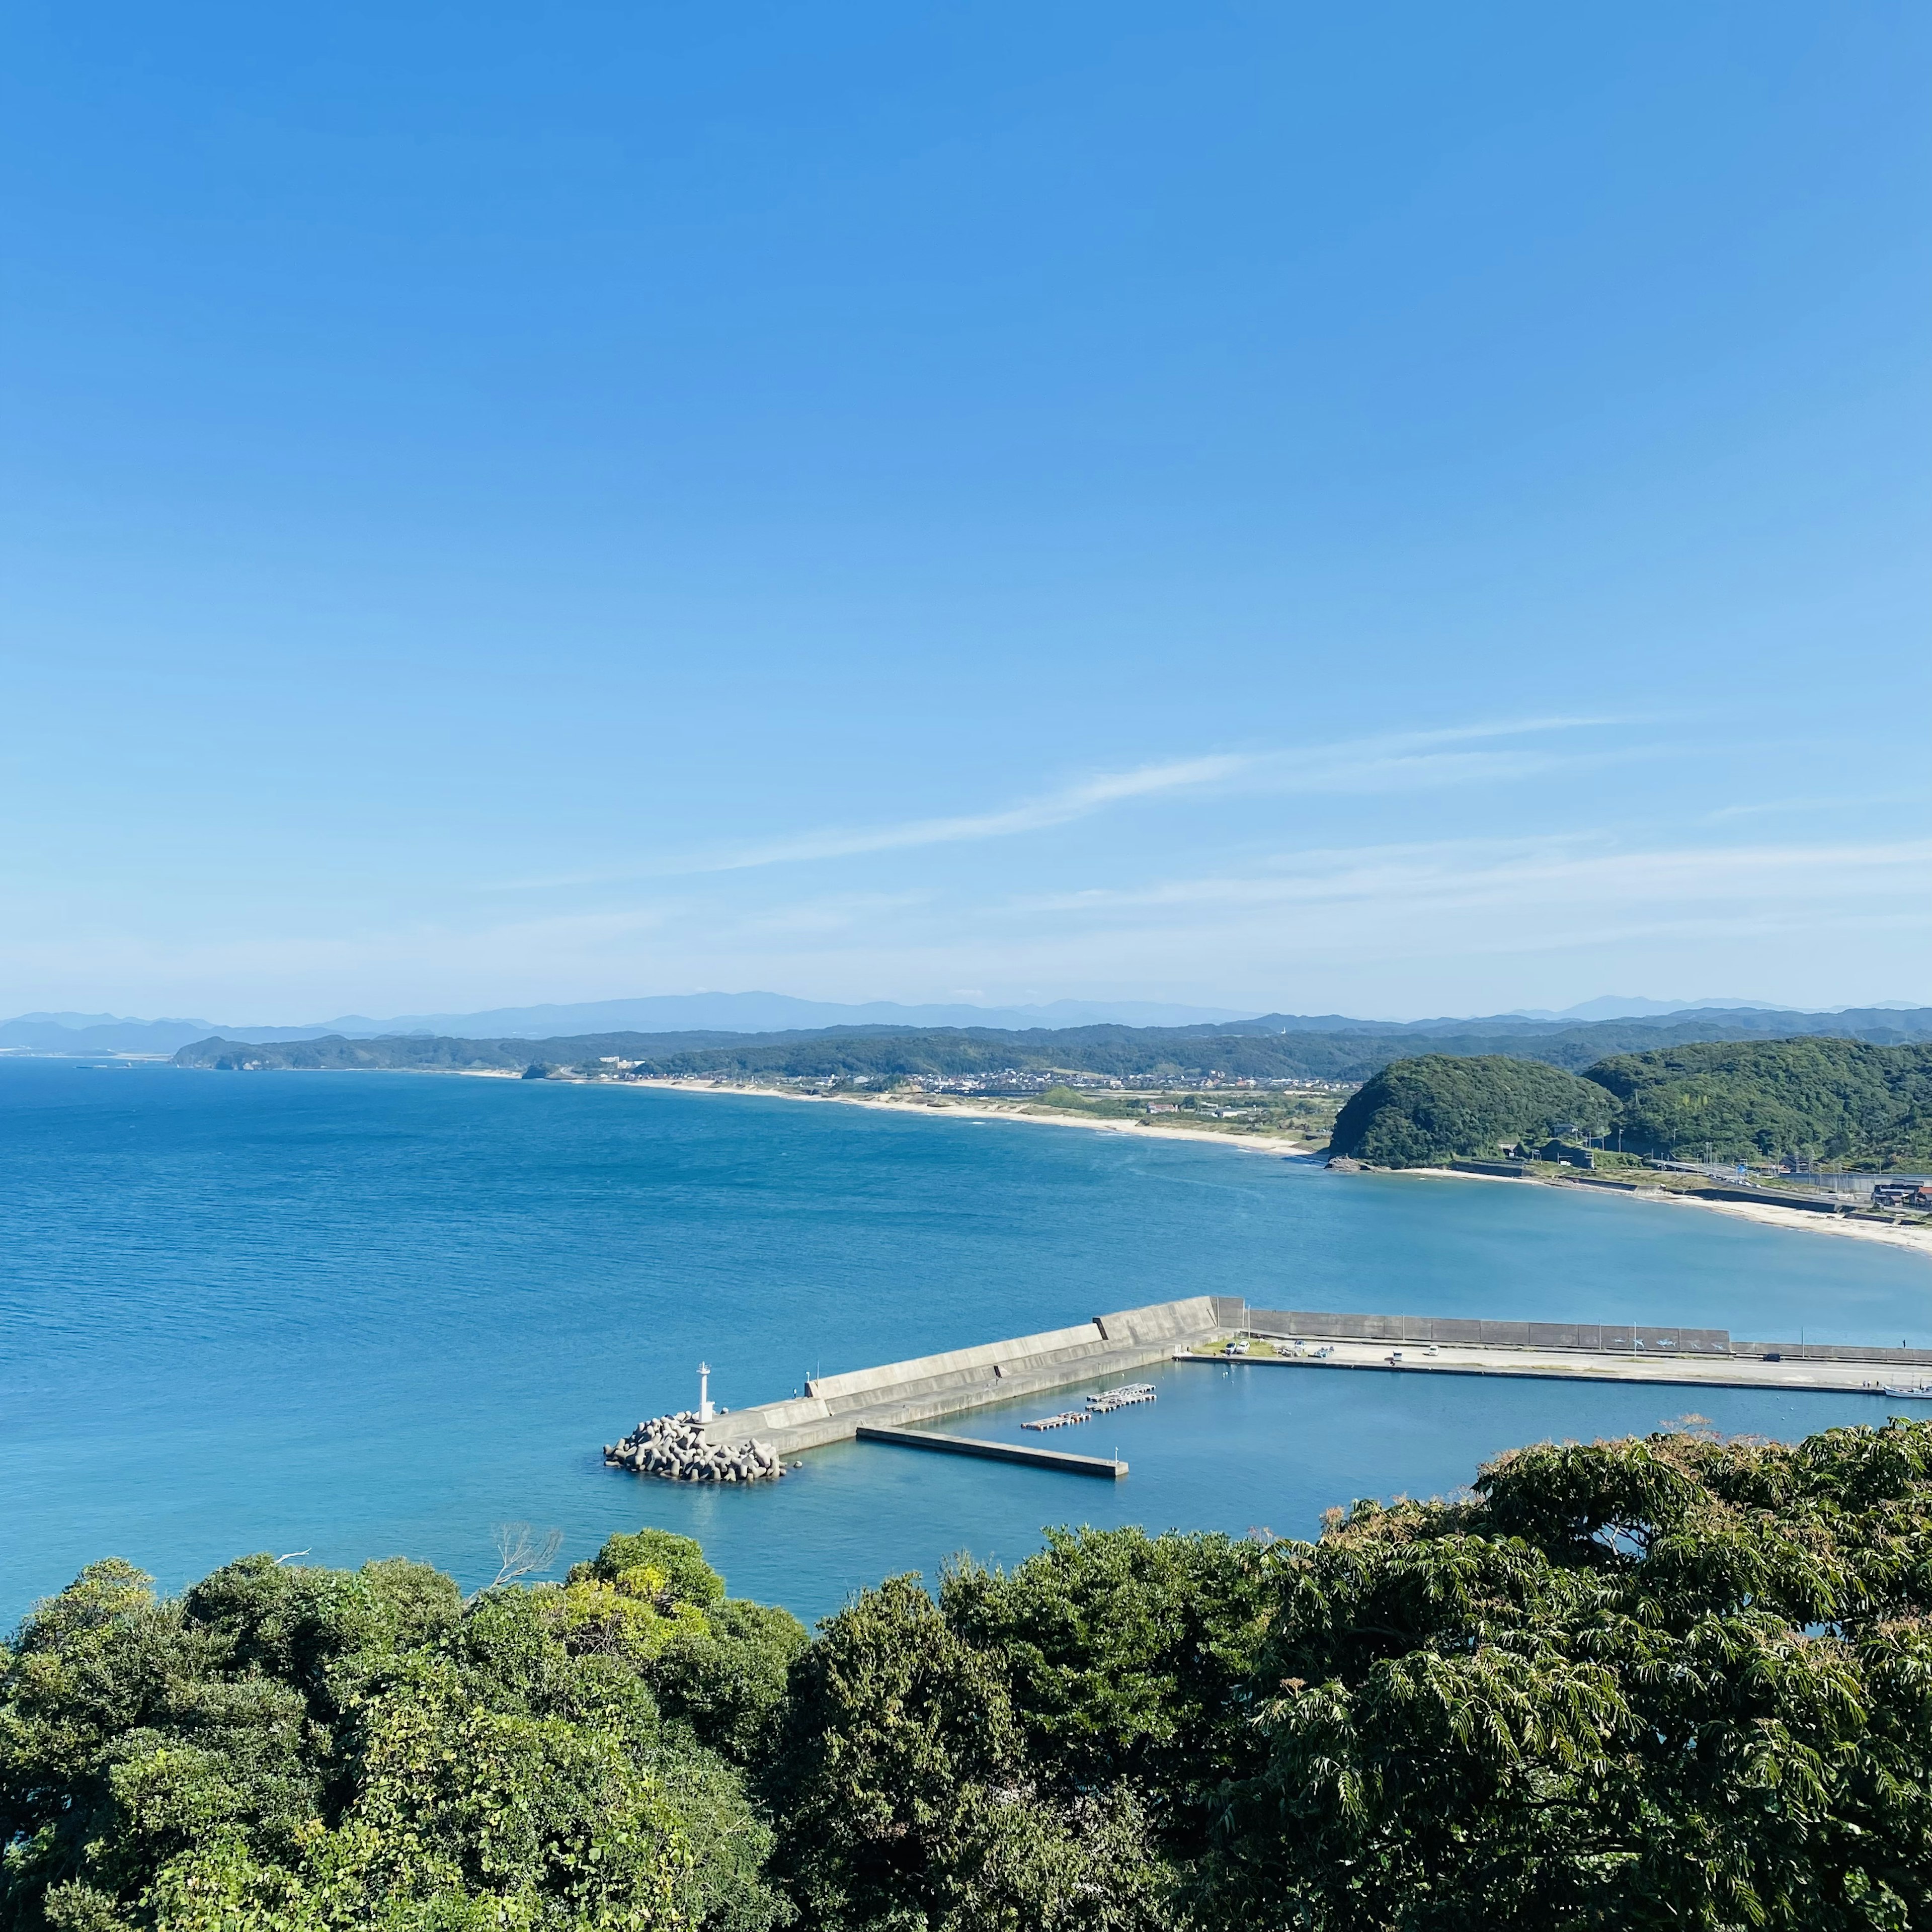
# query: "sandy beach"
[[1917, 1240], [1273, 1143]]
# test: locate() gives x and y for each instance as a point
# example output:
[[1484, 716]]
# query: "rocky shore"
[[675, 1447]]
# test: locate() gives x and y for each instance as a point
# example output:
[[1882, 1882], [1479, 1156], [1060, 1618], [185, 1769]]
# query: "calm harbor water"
[[363, 1315]]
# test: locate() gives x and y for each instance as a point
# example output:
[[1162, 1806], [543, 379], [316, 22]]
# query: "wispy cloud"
[[1472, 874], [1408, 914], [1395, 926], [1396, 762], [1081, 800], [1842, 802]]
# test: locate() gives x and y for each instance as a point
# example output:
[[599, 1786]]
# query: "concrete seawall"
[[834, 1407]]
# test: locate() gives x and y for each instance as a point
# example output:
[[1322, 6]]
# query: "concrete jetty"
[[995, 1452], [836, 1408]]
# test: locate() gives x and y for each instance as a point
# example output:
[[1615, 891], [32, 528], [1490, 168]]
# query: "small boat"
[[1917, 1392]]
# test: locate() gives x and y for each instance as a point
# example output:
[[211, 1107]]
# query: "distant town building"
[[1572, 1157]]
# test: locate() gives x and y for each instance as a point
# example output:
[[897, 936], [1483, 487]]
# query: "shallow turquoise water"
[[365, 1314]]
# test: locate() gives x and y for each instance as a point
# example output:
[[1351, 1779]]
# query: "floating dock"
[[995, 1452], [1127, 1397]]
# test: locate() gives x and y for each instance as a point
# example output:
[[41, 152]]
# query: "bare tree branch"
[[522, 1550]]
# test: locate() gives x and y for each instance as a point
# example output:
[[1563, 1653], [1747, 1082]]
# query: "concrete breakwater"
[[748, 1445], [676, 1448], [834, 1408], [886, 1404]]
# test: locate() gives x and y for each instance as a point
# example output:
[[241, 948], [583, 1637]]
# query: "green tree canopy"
[[1645, 1685], [1827, 1099], [312, 1748], [1436, 1108]]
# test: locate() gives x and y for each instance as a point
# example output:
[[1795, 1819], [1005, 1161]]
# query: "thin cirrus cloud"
[[1839, 802], [1398, 762], [1061, 807], [1408, 761], [1489, 875], [1406, 908]]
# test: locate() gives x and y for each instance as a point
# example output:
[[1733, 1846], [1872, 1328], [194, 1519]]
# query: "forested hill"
[[1252, 1049], [1834, 1100]]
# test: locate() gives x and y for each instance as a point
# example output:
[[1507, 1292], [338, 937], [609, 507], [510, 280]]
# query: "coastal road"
[[1735, 1371]]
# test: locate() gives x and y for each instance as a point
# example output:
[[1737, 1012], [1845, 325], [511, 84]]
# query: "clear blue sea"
[[362, 1315]]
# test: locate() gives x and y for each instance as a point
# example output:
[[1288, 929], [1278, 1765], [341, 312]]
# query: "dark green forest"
[[1661, 1683], [1416, 1112], [1836, 1101], [1830, 1099]]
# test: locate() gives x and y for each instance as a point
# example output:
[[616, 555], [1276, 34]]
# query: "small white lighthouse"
[[704, 1409]]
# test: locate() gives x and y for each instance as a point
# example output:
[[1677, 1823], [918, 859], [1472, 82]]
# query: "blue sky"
[[1396, 509]]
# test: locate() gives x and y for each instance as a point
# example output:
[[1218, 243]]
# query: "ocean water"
[[363, 1315]]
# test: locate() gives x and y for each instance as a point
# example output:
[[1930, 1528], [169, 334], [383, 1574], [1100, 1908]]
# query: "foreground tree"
[[1028, 1751], [908, 1800], [307, 1748], [1660, 1683]]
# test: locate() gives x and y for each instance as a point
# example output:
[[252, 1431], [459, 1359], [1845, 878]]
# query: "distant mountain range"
[[744, 1016], [1622, 1007], [674, 1012], [1891, 1022]]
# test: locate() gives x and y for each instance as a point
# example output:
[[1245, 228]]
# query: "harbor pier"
[[890, 1403]]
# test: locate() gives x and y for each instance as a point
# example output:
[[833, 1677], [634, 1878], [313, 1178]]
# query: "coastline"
[[1272, 1143], [1914, 1241]]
